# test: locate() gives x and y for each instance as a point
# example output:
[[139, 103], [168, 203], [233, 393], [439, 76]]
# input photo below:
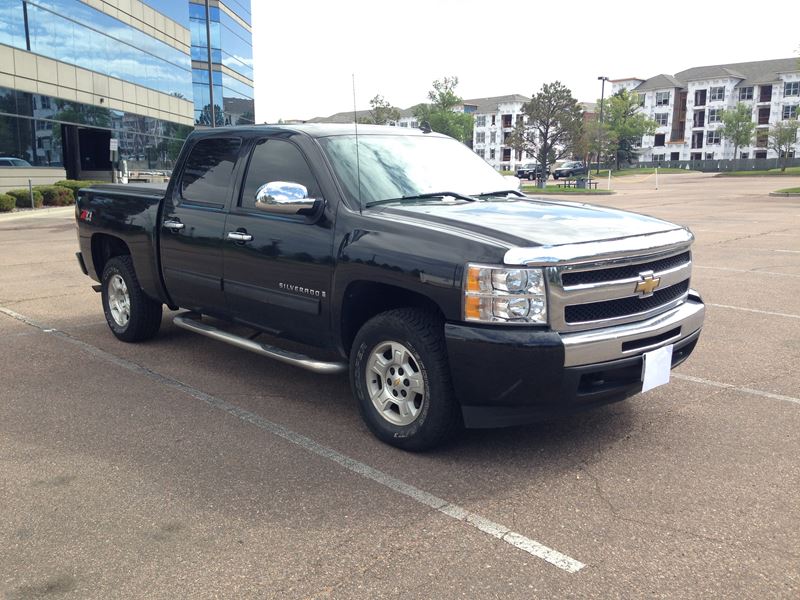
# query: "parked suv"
[[570, 169], [531, 171]]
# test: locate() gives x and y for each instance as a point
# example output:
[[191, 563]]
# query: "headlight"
[[499, 295]]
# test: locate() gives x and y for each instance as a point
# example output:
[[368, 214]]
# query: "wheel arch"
[[104, 248], [363, 300]]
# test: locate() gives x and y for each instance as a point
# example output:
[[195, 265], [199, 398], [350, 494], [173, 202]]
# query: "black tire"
[[555, 176], [530, 176], [422, 333], [144, 313]]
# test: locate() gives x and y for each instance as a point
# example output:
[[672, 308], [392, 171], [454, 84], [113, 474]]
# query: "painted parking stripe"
[[753, 271], [736, 388], [501, 532], [754, 310]]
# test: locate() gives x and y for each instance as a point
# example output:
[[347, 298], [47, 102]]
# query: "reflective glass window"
[[241, 8], [73, 32], [207, 174], [240, 64], [237, 86], [276, 160], [12, 23], [177, 10]]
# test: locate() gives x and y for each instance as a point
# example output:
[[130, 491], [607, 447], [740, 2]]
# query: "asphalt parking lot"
[[182, 467]]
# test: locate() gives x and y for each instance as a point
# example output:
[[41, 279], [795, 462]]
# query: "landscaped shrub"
[[7, 203], [76, 184], [56, 195], [23, 199]]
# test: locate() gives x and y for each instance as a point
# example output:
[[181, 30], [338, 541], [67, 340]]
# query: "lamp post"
[[603, 80]]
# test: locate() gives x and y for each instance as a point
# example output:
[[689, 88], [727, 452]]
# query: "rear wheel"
[[401, 379], [131, 315]]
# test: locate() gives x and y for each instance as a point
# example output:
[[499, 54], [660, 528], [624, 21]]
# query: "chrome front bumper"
[[622, 341]]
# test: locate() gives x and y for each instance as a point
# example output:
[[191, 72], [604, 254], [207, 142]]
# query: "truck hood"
[[534, 221]]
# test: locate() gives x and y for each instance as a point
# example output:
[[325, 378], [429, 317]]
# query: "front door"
[[193, 224], [278, 265]]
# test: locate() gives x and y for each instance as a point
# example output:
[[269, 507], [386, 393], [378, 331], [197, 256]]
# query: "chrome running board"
[[192, 322]]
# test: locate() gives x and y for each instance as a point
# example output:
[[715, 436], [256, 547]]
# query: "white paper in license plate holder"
[[656, 365]]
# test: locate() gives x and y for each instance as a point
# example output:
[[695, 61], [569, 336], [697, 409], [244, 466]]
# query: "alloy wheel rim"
[[119, 300], [395, 384]]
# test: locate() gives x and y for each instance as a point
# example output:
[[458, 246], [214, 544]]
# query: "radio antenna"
[[358, 159]]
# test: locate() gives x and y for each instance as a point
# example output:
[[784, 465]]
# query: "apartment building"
[[495, 119], [688, 107], [85, 81]]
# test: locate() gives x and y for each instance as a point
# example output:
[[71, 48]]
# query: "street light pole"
[[603, 80]]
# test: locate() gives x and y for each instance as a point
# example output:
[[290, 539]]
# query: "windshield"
[[398, 166]]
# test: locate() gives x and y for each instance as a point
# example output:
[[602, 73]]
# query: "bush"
[[7, 203], [23, 199], [76, 184], [56, 195]]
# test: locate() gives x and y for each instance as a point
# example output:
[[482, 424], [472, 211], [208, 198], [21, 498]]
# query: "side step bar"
[[192, 322]]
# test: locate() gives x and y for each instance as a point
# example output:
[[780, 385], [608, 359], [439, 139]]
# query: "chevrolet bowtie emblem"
[[647, 284]]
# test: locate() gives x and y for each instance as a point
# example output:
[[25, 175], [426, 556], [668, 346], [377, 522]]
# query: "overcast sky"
[[305, 52]]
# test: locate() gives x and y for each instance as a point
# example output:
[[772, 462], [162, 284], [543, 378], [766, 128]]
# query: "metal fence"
[[713, 166]]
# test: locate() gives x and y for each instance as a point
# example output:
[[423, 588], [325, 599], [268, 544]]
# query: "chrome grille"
[[580, 277], [593, 295], [633, 305]]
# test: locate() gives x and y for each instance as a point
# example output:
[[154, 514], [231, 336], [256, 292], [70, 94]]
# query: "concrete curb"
[[37, 212]]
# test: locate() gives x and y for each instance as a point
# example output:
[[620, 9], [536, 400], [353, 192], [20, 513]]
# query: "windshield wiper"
[[426, 195], [500, 193]]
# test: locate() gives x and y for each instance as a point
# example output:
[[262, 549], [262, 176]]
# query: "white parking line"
[[754, 310], [729, 386], [755, 272], [775, 250], [501, 532]]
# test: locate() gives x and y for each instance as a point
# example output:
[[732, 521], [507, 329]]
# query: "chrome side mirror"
[[285, 197]]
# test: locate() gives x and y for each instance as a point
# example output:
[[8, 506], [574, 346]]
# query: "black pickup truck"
[[451, 298]]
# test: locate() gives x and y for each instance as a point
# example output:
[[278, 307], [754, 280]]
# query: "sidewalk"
[[53, 211]]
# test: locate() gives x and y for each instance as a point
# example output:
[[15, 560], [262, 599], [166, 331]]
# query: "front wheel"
[[131, 315], [401, 379]]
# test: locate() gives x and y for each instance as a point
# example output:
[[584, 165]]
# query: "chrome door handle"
[[240, 236], [173, 225]]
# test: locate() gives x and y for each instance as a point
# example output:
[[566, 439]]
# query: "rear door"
[[278, 266], [193, 223]]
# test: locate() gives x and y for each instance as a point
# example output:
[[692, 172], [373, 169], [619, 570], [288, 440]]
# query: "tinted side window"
[[208, 170], [276, 160]]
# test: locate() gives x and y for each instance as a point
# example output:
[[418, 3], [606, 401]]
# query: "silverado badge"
[[647, 284]]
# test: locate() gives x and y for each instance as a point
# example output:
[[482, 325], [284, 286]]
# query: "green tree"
[[443, 112], [205, 116], [554, 126], [596, 141], [782, 138], [738, 127], [626, 125], [381, 112]]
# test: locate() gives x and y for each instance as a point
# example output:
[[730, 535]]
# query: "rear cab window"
[[208, 172]]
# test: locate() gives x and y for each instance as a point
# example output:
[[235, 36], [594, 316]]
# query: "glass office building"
[[223, 93], [76, 74]]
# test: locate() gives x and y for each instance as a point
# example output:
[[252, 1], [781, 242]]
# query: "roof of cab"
[[318, 130]]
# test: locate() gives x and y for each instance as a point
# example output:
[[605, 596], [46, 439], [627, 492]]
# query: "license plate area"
[[656, 366]]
